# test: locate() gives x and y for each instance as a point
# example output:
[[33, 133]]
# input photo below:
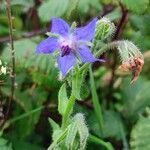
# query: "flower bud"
[[104, 29], [132, 59]]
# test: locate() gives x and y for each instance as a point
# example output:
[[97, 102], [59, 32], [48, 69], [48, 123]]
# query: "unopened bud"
[[104, 29]]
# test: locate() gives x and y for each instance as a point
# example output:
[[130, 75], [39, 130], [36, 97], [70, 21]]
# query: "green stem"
[[68, 111], [97, 140], [95, 100]]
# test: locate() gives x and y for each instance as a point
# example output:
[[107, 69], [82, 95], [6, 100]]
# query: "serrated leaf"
[[23, 49], [140, 135], [26, 57], [137, 6], [52, 8], [135, 101], [62, 99]]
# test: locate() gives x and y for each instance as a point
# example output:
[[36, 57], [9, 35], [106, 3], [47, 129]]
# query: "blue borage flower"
[[69, 43]]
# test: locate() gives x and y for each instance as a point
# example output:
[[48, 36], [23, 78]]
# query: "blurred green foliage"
[[37, 80]]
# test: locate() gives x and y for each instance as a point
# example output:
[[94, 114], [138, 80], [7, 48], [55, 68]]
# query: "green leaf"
[[99, 141], [141, 23], [4, 145], [15, 4], [134, 100], [17, 22], [114, 15], [113, 130], [87, 5], [72, 12], [140, 135], [53, 124], [26, 58], [3, 30], [25, 3], [82, 129], [23, 48], [19, 144], [137, 6], [58, 140], [62, 99], [52, 8], [71, 134], [56, 129]]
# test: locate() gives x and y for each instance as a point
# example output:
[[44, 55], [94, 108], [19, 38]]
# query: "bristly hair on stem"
[[12, 74]]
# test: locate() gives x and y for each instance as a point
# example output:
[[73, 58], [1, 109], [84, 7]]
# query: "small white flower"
[[3, 70]]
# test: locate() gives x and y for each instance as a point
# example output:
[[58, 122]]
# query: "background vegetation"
[[125, 107]]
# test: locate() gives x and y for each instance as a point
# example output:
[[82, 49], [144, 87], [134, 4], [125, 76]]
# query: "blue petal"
[[48, 45], [86, 33], [59, 26], [65, 63], [85, 54]]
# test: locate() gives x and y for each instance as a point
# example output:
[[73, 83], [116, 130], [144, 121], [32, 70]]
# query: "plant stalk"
[[12, 74], [68, 111]]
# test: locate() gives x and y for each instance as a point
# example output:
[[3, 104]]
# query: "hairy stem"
[[12, 74], [68, 111]]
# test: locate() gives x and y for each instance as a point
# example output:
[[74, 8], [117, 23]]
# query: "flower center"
[[67, 44], [65, 50]]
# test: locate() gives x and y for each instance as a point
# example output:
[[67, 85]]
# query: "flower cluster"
[[71, 44]]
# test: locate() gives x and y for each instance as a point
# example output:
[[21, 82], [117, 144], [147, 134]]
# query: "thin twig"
[[122, 22], [8, 11], [24, 35]]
